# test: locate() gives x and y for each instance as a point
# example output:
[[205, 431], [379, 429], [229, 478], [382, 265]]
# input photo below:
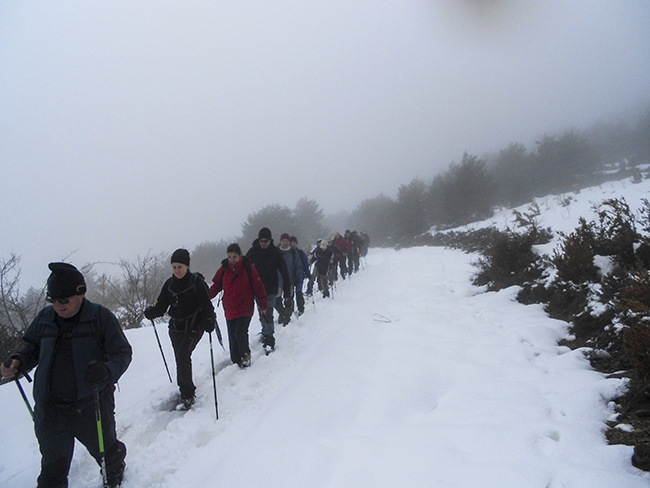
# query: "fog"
[[134, 126]]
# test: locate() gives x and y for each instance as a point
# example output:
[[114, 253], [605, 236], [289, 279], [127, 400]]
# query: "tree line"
[[471, 189]]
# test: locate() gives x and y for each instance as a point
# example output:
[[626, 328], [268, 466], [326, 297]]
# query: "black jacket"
[[322, 259], [269, 262], [187, 301], [98, 336]]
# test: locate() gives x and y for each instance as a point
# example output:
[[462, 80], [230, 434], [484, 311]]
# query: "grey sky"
[[129, 126]]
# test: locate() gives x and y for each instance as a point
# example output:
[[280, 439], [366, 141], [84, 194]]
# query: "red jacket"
[[238, 296], [341, 244]]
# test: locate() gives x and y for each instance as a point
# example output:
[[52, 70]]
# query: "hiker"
[[296, 274], [269, 261], [186, 299], [300, 298], [353, 256], [364, 244], [341, 248], [80, 349], [324, 259], [241, 285]]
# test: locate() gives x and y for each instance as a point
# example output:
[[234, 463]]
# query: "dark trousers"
[[184, 344], [56, 430], [300, 301], [238, 338], [284, 312], [341, 263]]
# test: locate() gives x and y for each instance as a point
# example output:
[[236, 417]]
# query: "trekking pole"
[[214, 377], [161, 350], [22, 393], [100, 436], [7, 364]]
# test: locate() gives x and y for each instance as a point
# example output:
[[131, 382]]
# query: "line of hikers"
[[81, 351]]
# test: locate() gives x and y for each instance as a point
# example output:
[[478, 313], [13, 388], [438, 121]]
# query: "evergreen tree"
[[410, 209], [465, 193], [309, 221], [376, 216], [276, 217], [513, 175], [563, 162]]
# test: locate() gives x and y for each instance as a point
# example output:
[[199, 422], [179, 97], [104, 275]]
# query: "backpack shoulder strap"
[[249, 271], [96, 324]]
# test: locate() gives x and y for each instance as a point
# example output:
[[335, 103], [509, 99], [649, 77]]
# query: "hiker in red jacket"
[[241, 285], [341, 249]]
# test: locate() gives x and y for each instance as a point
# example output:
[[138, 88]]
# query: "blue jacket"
[[98, 336], [294, 265], [305, 263]]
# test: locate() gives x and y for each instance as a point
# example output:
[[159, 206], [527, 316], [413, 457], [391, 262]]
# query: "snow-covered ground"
[[408, 377]]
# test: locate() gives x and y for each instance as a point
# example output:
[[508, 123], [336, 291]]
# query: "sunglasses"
[[265, 241], [62, 301]]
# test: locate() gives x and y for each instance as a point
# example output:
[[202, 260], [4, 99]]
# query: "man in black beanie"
[[78, 346], [269, 261]]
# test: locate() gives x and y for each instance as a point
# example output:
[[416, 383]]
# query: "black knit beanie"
[[181, 256], [65, 281], [265, 233]]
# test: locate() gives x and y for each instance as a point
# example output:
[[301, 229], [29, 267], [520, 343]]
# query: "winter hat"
[[265, 233], [284, 236], [324, 244], [293, 239], [181, 256], [65, 281]]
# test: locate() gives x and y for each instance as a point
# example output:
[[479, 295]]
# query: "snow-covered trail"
[[410, 376]]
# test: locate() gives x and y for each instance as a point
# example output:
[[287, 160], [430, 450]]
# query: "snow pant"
[[355, 261], [184, 344], [266, 319], [300, 298], [284, 312], [340, 260], [322, 282], [57, 427], [238, 338]]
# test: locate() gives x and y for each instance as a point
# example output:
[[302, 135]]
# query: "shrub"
[[633, 302], [509, 260], [575, 260], [615, 232]]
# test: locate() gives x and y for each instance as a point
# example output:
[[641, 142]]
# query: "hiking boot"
[[285, 320], [245, 361], [268, 340], [114, 479], [188, 402], [115, 464]]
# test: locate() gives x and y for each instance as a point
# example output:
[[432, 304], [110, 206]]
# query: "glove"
[[96, 373], [148, 313], [268, 315], [208, 325], [6, 367]]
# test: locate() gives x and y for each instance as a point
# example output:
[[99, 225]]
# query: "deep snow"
[[410, 377]]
